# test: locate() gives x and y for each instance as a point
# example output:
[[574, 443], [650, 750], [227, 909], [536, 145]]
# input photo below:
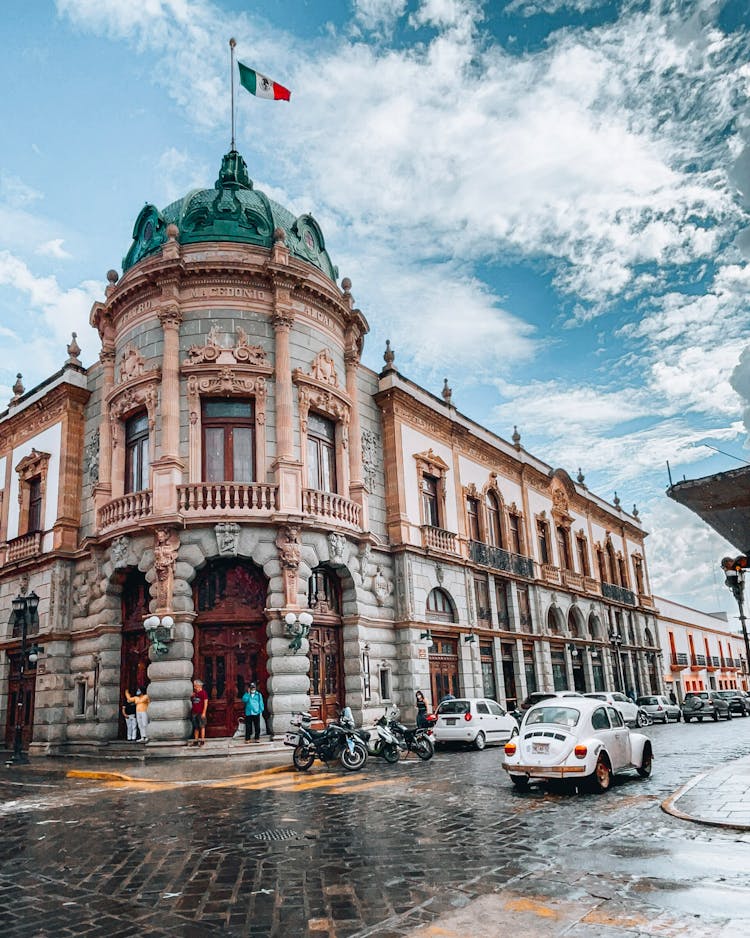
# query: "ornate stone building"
[[229, 463]]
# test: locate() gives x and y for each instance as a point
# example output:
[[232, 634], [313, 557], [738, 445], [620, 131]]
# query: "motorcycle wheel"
[[390, 753], [354, 760], [423, 748], [302, 758]]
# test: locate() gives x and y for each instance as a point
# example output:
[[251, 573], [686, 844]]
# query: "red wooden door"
[[327, 695], [24, 696], [443, 669], [230, 639]]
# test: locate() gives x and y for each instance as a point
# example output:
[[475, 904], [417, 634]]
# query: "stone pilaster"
[[288, 683], [103, 488], [167, 469], [288, 469], [171, 678], [357, 491], [52, 696]]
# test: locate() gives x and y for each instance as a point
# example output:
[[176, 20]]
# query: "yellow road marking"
[[101, 776], [364, 786], [530, 905]]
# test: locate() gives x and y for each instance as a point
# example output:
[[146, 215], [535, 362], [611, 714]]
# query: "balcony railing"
[[698, 661], [591, 585], [679, 661], [646, 601], [438, 539], [500, 559], [204, 499], [332, 507], [129, 509], [572, 579], [21, 548], [619, 593], [551, 574]]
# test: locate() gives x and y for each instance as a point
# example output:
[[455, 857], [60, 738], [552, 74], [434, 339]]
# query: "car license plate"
[[291, 739], [450, 722], [540, 747]]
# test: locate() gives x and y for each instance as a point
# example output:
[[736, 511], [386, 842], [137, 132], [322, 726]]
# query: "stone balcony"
[[218, 500], [500, 559], [678, 661], [438, 539], [619, 594], [24, 547], [330, 508], [128, 511]]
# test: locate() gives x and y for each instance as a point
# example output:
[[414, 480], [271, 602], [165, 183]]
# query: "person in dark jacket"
[[421, 710]]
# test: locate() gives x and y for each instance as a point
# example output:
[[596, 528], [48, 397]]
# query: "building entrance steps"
[[718, 798]]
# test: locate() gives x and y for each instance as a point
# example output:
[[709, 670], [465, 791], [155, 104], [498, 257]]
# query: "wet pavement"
[[718, 797], [446, 848]]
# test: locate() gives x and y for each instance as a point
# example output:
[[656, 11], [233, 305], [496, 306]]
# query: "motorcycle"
[[411, 739], [381, 741], [336, 741]]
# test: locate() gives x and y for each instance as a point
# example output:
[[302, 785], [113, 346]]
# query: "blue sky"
[[545, 201]]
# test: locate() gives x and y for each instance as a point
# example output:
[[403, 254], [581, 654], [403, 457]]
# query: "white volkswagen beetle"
[[575, 738]]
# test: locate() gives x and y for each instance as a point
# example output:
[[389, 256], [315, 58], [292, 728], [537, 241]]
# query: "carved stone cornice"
[[320, 390], [242, 354], [25, 424], [131, 396]]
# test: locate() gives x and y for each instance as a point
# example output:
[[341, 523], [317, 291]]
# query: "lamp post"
[[616, 640], [297, 628], [24, 612], [734, 571], [159, 630]]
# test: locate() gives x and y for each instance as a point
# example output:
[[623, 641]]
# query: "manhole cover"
[[278, 833]]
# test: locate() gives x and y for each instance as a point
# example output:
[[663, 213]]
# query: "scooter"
[[412, 739], [381, 741]]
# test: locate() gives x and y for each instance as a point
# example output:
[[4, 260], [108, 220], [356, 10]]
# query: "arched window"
[[648, 637], [472, 513], [440, 606], [494, 530], [553, 621], [611, 564], [575, 623], [323, 591]]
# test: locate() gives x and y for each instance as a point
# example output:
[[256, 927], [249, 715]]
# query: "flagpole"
[[232, 44]]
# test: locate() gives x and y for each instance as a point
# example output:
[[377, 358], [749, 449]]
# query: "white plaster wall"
[[48, 441], [414, 442], [480, 475]]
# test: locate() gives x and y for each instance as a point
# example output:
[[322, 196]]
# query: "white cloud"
[[379, 16], [63, 310], [535, 7], [15, 193], [54, 248], [178, 172]]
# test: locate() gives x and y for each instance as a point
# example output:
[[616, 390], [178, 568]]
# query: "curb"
[[669, 806]]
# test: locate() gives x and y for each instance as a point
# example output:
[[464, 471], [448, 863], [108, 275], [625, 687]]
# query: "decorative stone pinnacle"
[[18, 387], [172, 232], [279, 236], [346, 285], [113, 276], [74, 351], [635, 512], [616, 502], [388, 356], [446, 392], [580, 477], [516, 437]]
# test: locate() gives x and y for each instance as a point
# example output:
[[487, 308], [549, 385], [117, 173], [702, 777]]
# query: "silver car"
[[660, 709]]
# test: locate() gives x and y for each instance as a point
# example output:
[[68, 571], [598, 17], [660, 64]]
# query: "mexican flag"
[[261, 86]]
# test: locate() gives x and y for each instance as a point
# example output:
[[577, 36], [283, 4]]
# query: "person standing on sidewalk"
[[253, 701], [141, 701], [128, 711], [198, 711]]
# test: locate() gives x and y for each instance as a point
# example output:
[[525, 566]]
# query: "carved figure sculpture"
[[165, 553], [381, 588], [323, 368], [290, 550], [118, 552], [227, 538], [336, 548]]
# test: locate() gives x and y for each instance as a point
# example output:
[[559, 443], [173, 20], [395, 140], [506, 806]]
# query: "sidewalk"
[[219, 757], [719, 797]]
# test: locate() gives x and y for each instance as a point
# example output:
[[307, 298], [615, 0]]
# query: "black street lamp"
[[616, 640], [734, 571], [24, 612]]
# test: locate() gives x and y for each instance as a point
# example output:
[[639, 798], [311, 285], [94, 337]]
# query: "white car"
[[474, 720], [582, 739], [631, 712]]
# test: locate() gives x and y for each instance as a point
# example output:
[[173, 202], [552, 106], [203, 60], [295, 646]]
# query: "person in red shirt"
[[198, 711]]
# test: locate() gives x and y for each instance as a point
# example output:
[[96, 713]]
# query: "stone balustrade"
[[21, 548], [438, 539], [331, 507], [129, 509], [230, 499]]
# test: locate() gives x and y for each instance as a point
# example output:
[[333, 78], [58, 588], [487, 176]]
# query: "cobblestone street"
[[444, 847]]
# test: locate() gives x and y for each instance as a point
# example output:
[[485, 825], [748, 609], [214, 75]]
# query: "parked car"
[[660, 708], [538, 695], [473, 720], [629, 710], [738, 703], [584, 739], [705, 704]]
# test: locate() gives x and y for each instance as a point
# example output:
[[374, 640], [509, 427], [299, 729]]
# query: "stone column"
[[52, 697], [167, 469], [288, 684], [103, 488], [357, 491], [170, 684], [288, 469]]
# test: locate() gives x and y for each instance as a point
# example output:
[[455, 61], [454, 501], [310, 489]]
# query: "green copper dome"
[[232, 211]]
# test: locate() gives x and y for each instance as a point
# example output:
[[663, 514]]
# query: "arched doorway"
[[327, 691], [25, 690], [134, 654], [230, 639]]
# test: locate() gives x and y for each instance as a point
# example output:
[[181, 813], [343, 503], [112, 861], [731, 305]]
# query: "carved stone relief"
[[323, 369], [86, 587], [215, 352], [371, 458], [380, 587], [59, 597], [365, 557], [336, 548], [91, 458], [227, 538], [118, 552], [167, 543], [131, 364], [290, 550]]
